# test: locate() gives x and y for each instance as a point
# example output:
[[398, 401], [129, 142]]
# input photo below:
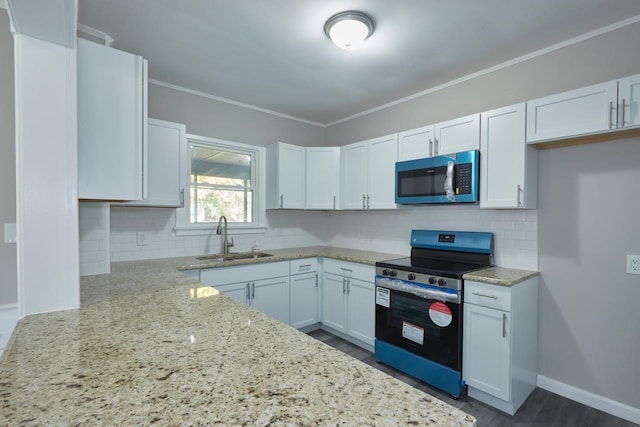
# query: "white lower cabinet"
[[499, 361], [348, 305], [304, 293], [264, 287]]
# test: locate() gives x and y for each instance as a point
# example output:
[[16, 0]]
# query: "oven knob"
[[432, 280], [442, 282], [411, 276], [393, 273], [385, 272]]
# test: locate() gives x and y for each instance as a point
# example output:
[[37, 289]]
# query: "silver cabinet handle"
[[368, 207], [622, 118], [316, 280], [504, 325], [253, 290], [305, 266], [519, 201], [346, 269], [363, 199], [248, 293], [430, 148], [435, 144], [334, 202], [484, 295], [610, 113], [281, 200], [182, 198], [348, 285], [344, 286]]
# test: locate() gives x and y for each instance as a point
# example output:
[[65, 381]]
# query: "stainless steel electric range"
[[419, 305]]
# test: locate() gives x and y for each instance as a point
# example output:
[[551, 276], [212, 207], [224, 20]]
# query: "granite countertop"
[[500, 276], [151, 345]]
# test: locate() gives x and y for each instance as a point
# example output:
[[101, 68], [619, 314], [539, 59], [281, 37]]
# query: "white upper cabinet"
[[508, 166], [112, 102], [454, 136], [576, 112], [323, 177], [415, 143], [368, 173], [286, 185], [629, 101]]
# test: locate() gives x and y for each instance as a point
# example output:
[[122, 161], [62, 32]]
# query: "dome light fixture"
[[348, 30]]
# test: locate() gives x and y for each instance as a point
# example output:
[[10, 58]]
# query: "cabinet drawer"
[[305, 265], [350, 269], [225, 275], [487, 295]]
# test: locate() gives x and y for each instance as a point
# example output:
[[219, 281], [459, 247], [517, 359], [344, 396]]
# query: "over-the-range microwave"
[[451, 178]]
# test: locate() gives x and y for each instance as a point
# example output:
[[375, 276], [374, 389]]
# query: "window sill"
[[205, 230]]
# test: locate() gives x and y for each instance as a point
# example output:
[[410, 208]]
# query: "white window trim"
[[184, 228]]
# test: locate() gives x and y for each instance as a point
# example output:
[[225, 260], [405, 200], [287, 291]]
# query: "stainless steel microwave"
[[452, 178]]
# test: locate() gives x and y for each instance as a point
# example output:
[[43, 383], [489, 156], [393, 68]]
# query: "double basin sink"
[[234, 256]]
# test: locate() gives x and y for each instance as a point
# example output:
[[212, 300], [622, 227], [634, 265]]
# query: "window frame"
[[183, 225]]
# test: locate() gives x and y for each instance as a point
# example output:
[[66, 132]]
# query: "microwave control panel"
[[463, 178]]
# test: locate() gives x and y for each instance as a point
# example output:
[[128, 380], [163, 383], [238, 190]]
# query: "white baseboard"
[[8, 321], [601, 403]]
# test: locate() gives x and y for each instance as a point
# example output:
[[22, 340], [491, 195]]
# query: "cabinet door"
[[577, 112], [503, 158], [629, 101], [323, 177], [415, 143], [353, 172], [487, 350], [383, 154], [334, 300], [111, 123], [454, 136], [291, 176], [361, 310], [271, 296], [237, 291], [164, 140], [304, 300]]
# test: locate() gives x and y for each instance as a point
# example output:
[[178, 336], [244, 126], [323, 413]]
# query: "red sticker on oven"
[[440, 314]]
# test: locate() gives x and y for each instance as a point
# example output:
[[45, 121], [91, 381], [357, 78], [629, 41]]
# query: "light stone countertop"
[[500, 276], [151, 345]]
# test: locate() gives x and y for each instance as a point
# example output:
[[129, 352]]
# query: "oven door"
[[426, 326]]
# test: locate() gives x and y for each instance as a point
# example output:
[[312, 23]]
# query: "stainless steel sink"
[[234, 256]]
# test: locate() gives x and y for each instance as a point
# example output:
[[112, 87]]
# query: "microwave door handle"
[[448, 181]]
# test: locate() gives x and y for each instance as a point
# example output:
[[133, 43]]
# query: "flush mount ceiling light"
[[348, 30]]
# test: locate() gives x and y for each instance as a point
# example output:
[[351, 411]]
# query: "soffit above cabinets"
[[274, 55]]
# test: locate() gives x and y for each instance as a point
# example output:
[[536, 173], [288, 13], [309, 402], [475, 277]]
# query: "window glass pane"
[[220, 184]]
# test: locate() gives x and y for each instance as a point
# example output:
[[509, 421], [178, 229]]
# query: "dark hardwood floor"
[[542, 408]]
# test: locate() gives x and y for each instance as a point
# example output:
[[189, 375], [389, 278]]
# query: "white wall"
[[8, 270], [589, 312]]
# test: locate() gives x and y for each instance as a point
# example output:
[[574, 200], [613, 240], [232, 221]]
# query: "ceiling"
[[274, 54]]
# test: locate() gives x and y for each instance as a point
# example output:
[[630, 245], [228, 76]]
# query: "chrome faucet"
[[225, 239]]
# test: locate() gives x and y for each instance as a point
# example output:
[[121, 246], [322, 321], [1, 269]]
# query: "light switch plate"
[[142, 238], [633, 264]]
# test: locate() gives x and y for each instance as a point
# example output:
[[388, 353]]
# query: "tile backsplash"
[[515, 232]]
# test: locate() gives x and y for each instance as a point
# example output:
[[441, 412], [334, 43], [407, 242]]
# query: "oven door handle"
[[400, 286]]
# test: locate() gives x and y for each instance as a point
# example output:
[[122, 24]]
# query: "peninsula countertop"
[[144, 349]]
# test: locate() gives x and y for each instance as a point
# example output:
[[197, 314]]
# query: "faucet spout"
[[223, 230]]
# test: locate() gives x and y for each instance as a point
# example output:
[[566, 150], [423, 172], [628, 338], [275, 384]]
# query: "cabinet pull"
[[504, 325], [281, 201], [348, 286], [344, 286], [253, 290], [346, 269], [316, 280], [610, 113], [484, 295], [623, 107], [430, 148], [182, 196], [248, 293], [519, 190], [305, 266], [363, 199], [334, 202], [435, 145], [368, 206]]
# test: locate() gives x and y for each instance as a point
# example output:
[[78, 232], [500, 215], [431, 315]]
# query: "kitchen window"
[[221, 178]]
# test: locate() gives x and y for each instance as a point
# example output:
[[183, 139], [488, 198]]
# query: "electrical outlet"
[[142, 238], [633, 264]]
